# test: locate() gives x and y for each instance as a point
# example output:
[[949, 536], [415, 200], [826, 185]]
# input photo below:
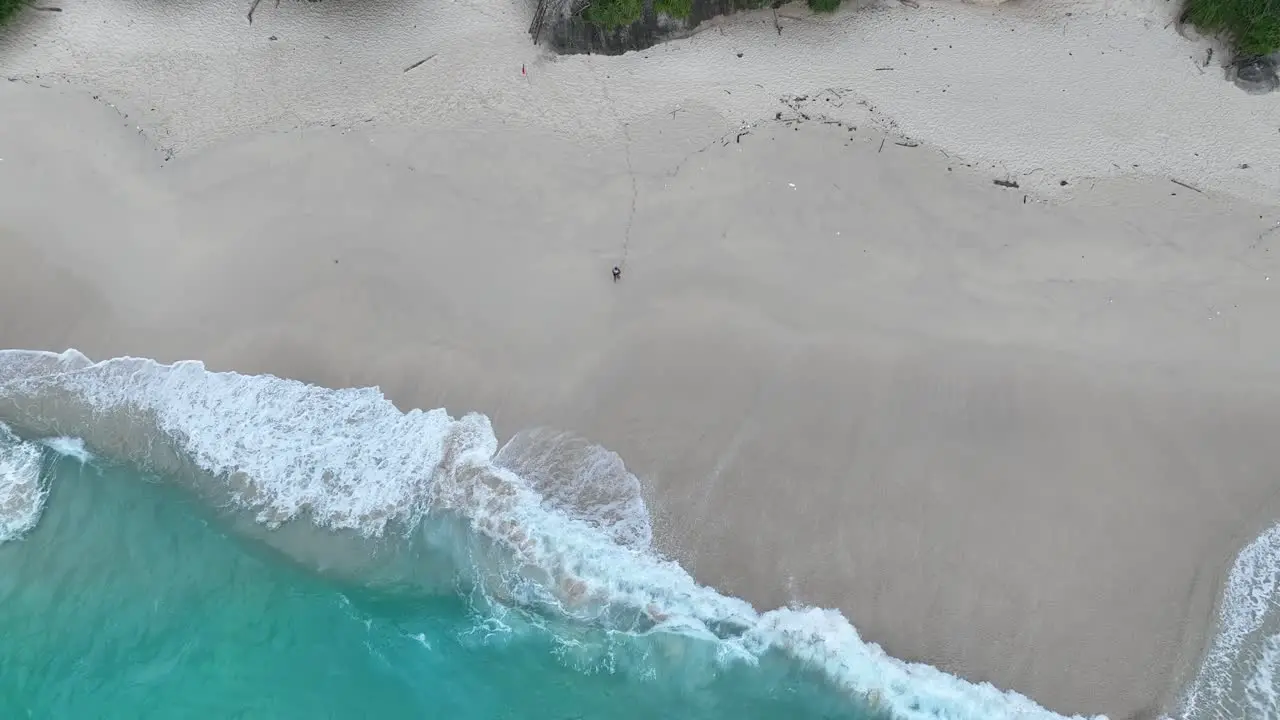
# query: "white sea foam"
[[572, 546], [22, 494], [68, 447], [1261, 689], [1247, 600]]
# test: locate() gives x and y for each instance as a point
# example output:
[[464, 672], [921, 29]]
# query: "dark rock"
[[1255, 75], [576, 35], [569, 33]]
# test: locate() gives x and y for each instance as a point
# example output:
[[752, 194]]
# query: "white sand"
[[1021, 441]]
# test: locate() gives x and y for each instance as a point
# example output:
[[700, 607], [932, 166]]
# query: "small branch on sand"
[[883, 68], [1006, 183], [423, 60], [1263, 235], [776, 24], [252, 7], [1189, 187], [910, 3], [881, 146], [909, 143]]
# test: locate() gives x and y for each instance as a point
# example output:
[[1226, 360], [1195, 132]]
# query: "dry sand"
[[1019, 440]]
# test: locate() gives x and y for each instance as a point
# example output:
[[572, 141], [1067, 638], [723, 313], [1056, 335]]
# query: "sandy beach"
[[1016, 433]]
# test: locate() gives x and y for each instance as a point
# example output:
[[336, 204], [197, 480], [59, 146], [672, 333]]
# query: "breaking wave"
[[548, 526], [22, 490], [1238, 674]]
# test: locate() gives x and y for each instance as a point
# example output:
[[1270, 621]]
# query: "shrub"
[[824, 6], [8, 8], [1253, 26], [674, 8], [614, 13]]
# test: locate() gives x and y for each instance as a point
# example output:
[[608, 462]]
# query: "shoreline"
[[607, 583], [1236, 598], [951, 327]]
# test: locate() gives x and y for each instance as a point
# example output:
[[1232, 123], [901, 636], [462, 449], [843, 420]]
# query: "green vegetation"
[[612, 14], [674, 8], [8, 8], [824, 6], [1253, 26]]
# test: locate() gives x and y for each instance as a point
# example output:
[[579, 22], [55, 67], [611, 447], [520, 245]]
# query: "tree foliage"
[[674, 8], [613, 14], [9, 8], [824, 6]]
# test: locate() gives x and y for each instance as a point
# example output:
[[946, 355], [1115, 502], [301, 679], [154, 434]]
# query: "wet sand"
[[1017, 440]]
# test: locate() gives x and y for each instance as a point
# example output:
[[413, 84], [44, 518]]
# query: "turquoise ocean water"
[[179, 543], [131, 600]]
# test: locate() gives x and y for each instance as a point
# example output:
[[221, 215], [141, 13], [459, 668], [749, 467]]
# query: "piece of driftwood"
[[423, 60]]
